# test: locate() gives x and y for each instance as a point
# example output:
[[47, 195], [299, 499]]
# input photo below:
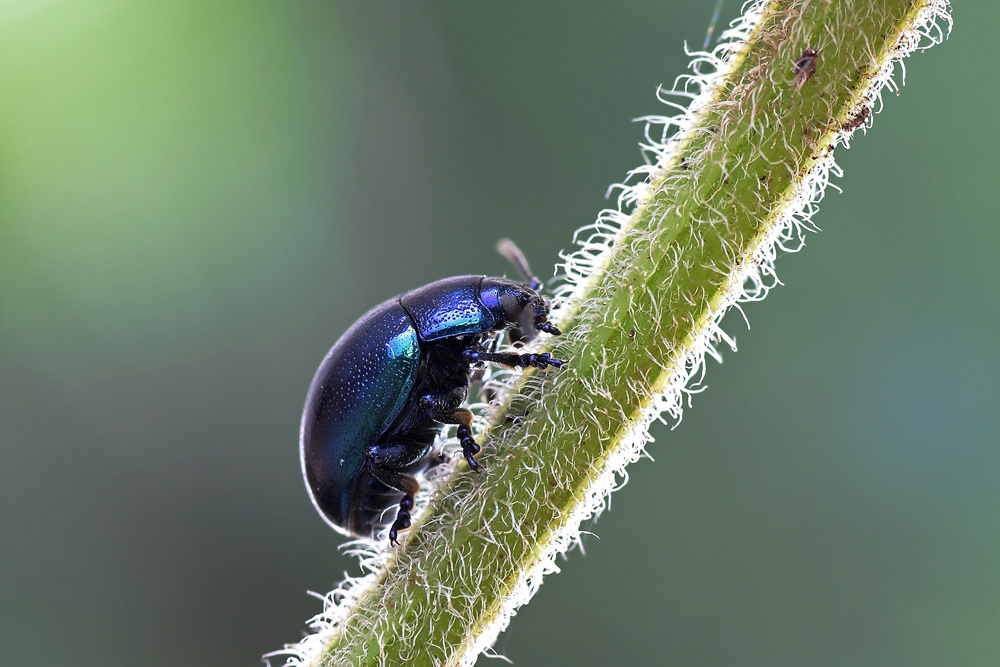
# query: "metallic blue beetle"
[[401, 372]]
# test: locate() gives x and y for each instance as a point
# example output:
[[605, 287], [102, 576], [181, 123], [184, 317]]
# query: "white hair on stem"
[[664, 139]]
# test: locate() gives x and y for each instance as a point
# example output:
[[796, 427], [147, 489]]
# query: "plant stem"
[[741, 176]]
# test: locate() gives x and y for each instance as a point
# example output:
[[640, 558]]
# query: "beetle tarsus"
[[513, 359], [548, 328], [469, 446], [402, 521]]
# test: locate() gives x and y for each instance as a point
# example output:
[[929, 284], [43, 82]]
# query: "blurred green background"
[[197, 198]]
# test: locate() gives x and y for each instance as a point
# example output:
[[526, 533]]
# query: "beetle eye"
[[511, 305]]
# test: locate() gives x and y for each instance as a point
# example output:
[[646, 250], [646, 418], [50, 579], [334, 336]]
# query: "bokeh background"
[[198, 196]]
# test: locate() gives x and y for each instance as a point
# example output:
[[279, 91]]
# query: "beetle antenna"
[[509, 249]]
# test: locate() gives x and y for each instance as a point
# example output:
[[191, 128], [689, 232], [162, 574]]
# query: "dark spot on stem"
[[805, 67], [856, 119]]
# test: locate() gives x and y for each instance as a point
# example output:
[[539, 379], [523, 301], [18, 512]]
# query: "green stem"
[[723, 194]]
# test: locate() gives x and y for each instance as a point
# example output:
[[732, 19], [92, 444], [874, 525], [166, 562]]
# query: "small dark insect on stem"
[[856, 119], [805, 67]]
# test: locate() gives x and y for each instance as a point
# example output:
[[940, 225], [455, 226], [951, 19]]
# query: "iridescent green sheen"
[[360, 387]]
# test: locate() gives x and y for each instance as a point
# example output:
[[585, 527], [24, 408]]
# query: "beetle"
[[389, 385]]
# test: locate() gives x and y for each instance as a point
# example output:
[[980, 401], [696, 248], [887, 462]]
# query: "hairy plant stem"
[[714, 202]]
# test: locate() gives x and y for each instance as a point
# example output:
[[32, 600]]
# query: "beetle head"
[[516, 304]]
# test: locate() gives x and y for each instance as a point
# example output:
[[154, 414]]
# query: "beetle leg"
[[402, 521], [513, 359], [441, 408], [401, 482], [463, 417], [492, 345], [441, 405], [486, 392], [543, 325]]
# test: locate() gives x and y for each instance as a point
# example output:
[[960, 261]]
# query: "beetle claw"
[[474, 465], [402, 522]]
